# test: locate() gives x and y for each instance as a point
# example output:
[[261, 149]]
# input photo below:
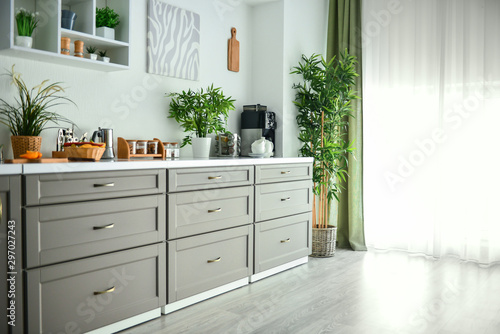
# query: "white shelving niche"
[[47, 36]]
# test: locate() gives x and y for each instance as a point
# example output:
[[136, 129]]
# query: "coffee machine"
[[256, 122]]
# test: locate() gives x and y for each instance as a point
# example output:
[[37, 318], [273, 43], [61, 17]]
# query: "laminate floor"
[[352, 293]]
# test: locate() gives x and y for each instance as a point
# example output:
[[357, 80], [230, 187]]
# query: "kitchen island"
[[104, 246]]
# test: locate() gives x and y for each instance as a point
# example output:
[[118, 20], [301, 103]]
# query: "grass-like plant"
[[91, 49], [201, 112], [26, 22], [324, 107], [106, 17], [29, 115], [103, 53]]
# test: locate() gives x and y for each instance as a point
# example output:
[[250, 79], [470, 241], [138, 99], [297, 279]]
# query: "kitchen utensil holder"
[[124, 150]]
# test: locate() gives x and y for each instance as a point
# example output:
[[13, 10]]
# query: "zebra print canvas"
[[173, 41]]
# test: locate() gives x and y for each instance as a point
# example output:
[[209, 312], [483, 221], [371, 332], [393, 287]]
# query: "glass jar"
[[175, 150], [141, 147], [168, 150], [132, 145], [152, 147]]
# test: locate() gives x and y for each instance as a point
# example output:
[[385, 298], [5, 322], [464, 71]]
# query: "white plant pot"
[[106, 32], [105, 59], [93, 56], [24, 41], [201, 147]]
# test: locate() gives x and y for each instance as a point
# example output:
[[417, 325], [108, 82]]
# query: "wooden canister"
[[65, 41], [79, 49]]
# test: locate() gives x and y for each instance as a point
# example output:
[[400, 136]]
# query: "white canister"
[[259, 146]]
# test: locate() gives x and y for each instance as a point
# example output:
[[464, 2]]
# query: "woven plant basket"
[[21, 144], [323, 241]]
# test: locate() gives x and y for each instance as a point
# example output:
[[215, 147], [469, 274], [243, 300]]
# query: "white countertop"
[[106, 165]]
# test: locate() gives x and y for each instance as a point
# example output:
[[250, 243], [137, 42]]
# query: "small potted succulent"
[[200, 113], [26, 23], [103, 55], [106, 21], [92, 52]]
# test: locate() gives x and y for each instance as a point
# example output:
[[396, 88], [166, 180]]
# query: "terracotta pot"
[[79, 49], [21, 144], [65, 41]]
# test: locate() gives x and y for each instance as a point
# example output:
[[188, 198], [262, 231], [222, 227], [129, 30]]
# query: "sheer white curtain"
[[432, 127]]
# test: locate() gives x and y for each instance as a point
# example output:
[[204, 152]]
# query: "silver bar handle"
[[105, 226], [215, 260], [285, 199], [98, 185], [286, 240], [215, 210], [218, 177]]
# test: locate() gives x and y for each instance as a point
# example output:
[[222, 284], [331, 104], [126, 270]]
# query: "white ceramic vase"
[[105, 32], [105, 59], [24, 41], [201, 147]]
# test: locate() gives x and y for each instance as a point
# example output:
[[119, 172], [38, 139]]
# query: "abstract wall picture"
[[173, 41]]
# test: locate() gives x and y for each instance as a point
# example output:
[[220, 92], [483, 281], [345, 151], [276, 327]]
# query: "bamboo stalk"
[[323, 168]]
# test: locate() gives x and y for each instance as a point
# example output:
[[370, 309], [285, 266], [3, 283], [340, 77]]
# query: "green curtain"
[[344, 32]]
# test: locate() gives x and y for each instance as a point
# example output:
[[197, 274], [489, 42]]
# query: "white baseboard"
[[127, 323], [203, 296], [278, 269]]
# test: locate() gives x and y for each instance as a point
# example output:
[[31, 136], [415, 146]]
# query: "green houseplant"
[[200, 113], [104, 55], [92, 52], [324, 100], [26, 22], [29, 115], [106, 20]]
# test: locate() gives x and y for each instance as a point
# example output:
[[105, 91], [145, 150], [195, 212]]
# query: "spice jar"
[[132, 144], [175, 150], [65, 41], [79, 49], [142, 147], [168, 150], [152, 147]]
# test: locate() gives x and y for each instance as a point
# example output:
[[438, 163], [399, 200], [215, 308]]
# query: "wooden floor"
[[353, 292]]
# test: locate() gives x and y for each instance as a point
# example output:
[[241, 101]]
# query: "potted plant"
[[26, 23], [106, 20], [103, 55], [28, 116], [91, 51], [324, 100], [200, 113]]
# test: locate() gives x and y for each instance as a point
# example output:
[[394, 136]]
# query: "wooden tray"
[[124, 150], [36, 161]]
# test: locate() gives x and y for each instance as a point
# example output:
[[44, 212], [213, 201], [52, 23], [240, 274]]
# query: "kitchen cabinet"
[[47, 36], [11, 281]]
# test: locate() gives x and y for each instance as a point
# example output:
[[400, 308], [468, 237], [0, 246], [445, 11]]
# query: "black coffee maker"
[[256, 122]]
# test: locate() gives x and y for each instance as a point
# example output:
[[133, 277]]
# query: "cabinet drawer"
[[281, 241], [200, 263], [207, 178], [196, 212], [282, 199], [72, 297], [71, 187], [56, 233], [284, 172]]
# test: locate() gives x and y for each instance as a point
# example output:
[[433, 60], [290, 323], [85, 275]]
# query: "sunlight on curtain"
[[431, 127]]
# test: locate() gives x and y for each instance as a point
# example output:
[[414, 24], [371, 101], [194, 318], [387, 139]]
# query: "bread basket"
[[84, 153]]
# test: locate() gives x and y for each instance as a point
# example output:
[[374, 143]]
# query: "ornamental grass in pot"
[[201, 113], [324, 106], [28, 115]]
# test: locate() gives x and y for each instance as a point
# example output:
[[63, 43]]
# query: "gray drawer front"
[[196, 212], [281, 241], [282, 199], [71, 187], [284, 172], [208, 178], [189, 271], [61, 297], [57, 233]]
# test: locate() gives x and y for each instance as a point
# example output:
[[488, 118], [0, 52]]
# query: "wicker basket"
[[323, 241], [21, 144], [84, 153]]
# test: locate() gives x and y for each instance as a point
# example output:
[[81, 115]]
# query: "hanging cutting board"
[[35, 161], [233, 52]]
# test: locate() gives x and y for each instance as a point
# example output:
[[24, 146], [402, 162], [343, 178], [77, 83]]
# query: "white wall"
[[272, 37]]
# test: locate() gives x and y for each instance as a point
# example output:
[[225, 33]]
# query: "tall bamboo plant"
[[324, 106]]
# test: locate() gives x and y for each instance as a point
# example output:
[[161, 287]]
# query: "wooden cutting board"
[[36, 161], [233, 52]]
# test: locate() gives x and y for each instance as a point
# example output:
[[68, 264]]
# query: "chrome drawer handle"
[[285, 172], [98, 185], [286, 240], [215, 210], [215, 177], [105, 226], [285, 199], [105, 291], [216, 260]]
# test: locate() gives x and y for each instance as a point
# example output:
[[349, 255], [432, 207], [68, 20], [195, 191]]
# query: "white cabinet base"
[[169, 308], [127, 323], [278, 269]]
